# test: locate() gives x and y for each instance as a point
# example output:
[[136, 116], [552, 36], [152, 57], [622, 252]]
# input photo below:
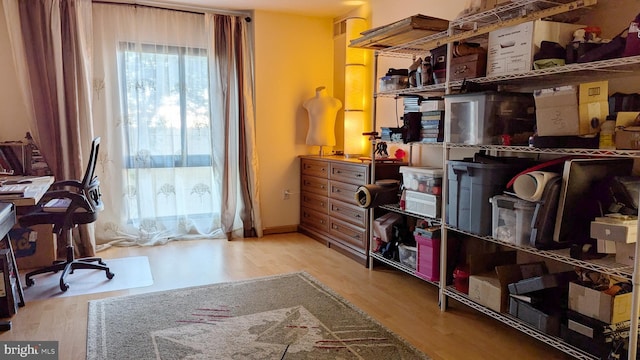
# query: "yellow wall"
[[294, 55]]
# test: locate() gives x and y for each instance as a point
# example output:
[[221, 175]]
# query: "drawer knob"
[[359, 175], [321, 203], [462, 69], [322, 187], [358, 216]]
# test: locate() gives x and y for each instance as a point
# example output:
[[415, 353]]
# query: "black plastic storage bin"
[[471, 185]]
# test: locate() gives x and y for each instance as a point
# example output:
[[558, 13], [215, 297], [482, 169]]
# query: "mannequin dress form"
[[322, 111]]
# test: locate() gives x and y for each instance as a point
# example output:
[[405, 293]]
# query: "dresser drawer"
[[314, 219], [343, 191], [350, 234], [315, 168], [350, 173], [315, 185], [314, 201], [347, 212]]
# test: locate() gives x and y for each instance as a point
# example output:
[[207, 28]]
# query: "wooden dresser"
[[328, 209]]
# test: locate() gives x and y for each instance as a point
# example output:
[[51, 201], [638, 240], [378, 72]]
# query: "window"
[[165, 99]]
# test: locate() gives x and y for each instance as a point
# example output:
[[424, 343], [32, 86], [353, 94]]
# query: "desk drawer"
[[350, 234], [350, 173], [315, 220], [350, 213], [316, 202], [315, 168], [315, 185]]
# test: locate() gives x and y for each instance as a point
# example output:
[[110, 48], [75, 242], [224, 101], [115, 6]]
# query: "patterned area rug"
[[290, 316]]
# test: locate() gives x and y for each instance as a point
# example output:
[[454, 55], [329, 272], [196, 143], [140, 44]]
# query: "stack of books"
[[391, 134], [431, 117], [432, 126]]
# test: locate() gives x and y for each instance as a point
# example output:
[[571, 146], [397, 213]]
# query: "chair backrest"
[[90, 182], [93, 160]]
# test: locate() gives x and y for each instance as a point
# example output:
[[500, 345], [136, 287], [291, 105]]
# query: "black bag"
[[611, 50]]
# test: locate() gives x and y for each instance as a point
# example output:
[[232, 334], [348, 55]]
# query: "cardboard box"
[[511, 49], [628, 138], [623, 233], [486, 289], [593, 104], [627, 118], [490, 288], [557, 111], [46, 248], [626, 254], [571, 110], [599, 305]]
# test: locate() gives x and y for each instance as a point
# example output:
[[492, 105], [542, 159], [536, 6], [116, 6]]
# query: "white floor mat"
[[130, 272]]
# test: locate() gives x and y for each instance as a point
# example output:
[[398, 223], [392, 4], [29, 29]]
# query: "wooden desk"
[[46, 243], [35, 190]]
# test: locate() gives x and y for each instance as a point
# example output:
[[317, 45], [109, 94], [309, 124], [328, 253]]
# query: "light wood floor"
[[402, 302]]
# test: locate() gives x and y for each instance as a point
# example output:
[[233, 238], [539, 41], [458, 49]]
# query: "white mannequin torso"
[[322, 117]]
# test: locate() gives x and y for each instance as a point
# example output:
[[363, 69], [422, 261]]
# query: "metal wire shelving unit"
[[475, 27]]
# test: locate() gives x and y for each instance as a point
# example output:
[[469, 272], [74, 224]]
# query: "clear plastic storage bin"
[[407, 255], [423, 179], [512, 219]]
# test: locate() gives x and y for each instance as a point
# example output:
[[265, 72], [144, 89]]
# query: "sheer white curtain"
[[164, 158]]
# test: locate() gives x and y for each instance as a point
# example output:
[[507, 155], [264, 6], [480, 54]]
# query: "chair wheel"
[[110, 275], [64, 286], [102, 263], [29, 281]]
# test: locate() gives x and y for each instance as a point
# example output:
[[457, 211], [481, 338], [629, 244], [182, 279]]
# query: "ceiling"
[[328, 8]]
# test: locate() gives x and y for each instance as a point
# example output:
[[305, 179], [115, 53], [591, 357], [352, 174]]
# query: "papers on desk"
[[13, 191]]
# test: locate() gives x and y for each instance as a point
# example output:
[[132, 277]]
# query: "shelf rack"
[[570, 73], [468, 27], [474, 26], [519, 325]]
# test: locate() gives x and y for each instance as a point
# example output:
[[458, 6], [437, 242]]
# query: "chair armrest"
[[63, 183]]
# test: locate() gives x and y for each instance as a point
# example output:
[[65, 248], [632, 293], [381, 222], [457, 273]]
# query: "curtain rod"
[[176, 7]]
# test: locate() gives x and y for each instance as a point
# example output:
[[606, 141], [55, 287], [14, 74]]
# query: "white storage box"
[[423, 179], [422, 204], [511, 49], [512, 219]]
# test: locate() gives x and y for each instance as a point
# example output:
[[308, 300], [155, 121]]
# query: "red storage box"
[[428, 264]]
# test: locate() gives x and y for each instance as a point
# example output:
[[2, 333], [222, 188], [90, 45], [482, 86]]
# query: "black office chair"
[[67, 204]]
